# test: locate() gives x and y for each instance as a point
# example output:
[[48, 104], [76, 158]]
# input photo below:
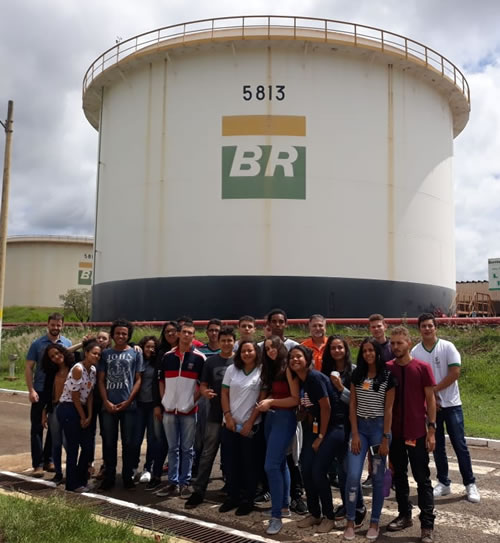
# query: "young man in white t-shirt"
[[445, 361]]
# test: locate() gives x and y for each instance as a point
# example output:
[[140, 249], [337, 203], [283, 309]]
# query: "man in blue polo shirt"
[[35, 380]]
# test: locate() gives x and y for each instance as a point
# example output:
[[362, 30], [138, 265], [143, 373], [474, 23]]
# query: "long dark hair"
[[48, 366], [308, 355], [164, 345], [361, 371], [143, 342], [238, 362], [274, 370], [329, 364]]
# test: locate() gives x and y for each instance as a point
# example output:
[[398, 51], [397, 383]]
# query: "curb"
[[474, 441]]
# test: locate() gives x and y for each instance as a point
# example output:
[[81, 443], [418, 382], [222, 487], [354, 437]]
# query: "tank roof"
[[370, 42], [83, 240]]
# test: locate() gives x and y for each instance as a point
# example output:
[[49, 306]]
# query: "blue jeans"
[[145, 423], [180, 431], [56, 433], [76, 438], [370, 433], [279, 429], [315, 466], [126, 420], [454, 419]]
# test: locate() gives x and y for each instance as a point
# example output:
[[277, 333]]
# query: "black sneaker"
[[367, 483], [360, 517], [194, 500], [244, 509], [129, 484], [334, 481], [400, 523], [107, 484], [299, 506], [340, 513], [228, 505], [153, 484], [262, 497], [57, 479], [184, 492]]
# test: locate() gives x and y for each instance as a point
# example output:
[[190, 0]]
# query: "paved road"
[[458, 521]]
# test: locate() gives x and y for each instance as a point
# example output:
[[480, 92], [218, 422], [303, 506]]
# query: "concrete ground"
[[457, 521]]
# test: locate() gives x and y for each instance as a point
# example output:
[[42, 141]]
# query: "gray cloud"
[[47, 46]]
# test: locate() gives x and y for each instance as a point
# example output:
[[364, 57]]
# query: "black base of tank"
[[229, 297]]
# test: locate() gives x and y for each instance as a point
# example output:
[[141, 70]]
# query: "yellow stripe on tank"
[[264, 125]]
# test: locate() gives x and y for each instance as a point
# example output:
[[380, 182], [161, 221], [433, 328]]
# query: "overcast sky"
[[46, 47]]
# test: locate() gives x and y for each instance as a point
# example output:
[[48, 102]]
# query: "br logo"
[[84, 277], [277, 170]]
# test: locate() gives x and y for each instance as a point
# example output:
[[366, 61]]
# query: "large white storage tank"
[[41, 268], [258, 161]]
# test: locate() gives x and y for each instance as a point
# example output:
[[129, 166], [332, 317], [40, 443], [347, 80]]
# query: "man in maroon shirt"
[[412, 438]]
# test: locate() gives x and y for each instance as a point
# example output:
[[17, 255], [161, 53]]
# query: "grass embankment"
[[19, 313], [53, 521], [479, 382]]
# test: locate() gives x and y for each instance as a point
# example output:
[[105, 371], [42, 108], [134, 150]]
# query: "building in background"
[[315, 155], [41, 268], [477, 299]]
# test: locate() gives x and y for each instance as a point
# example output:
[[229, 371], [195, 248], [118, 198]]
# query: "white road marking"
[[16, 403]]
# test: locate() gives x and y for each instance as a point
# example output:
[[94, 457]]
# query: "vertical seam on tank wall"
[[268, 202], [390, 174], [162, 235], [147, 197], [98, 177]]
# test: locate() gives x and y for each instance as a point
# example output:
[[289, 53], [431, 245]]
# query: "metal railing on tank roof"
[[328, 30]]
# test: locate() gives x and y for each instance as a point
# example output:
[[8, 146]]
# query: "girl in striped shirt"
[[370, 413]]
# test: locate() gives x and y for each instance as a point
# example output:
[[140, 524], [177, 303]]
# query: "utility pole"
[[4, 213]]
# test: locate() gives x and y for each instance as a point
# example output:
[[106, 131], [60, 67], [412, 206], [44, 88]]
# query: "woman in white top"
[[241, 391], [75, 415]]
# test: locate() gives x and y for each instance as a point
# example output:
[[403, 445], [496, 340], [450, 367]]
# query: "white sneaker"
[[442, 490], [145, 477], [473, 493]]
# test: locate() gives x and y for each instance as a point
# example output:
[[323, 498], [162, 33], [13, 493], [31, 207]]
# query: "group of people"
[[285, 415]]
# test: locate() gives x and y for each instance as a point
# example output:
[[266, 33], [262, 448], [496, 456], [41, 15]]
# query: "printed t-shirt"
[[244, 392], [213, 373], [409, 411], [441, 357], [120, 368], [85, 384]]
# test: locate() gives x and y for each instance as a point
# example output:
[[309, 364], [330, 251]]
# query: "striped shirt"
[[371, 403]]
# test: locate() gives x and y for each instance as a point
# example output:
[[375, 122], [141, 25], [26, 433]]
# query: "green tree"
[[78, 301]]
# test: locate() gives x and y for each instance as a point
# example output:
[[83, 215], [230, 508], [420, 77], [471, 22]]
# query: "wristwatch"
[[431, 425], [387, 436]]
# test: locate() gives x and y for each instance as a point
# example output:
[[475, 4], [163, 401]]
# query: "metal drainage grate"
[[148, 520], [158, 523]]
